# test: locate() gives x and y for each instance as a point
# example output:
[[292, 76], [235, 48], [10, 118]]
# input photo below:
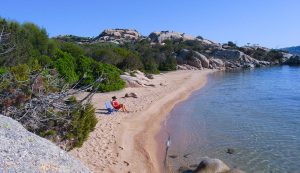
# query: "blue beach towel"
[[109, 107]]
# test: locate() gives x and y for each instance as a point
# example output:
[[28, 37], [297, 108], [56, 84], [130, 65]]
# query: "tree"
[[6, 45], [231, 44]]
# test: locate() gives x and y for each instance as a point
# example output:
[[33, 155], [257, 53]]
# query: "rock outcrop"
[[203, 59], [185, 67], [212, 166], [209, 165], [237, 59], [294, 60], [216, 63], [190, 58], [118, 36], [159, 37], [23, 151], [136, 79]]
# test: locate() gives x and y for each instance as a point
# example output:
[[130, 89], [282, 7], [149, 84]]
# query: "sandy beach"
[[125, 142]]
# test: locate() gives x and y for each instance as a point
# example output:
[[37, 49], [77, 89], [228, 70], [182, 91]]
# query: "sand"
[[125, 142]]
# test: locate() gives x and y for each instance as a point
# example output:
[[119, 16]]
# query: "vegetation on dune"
[[42, 101], [38, 76]]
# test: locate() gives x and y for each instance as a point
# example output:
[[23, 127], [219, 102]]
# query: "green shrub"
[[231, 44], [3, 70], [83, 122], [66, 67], [85, 68], [71, 48], [35, 65], [21, 72], [150, 65], [48, 133], [45, 61], [112, 80], [91, 70], [274, 56], [169, 64]]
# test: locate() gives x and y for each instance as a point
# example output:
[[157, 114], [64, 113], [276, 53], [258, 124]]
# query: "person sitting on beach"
[[117, 105]]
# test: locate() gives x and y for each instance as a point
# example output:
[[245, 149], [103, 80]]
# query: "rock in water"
[[235, 171], [23, 151], [230, 151], [212, 166]]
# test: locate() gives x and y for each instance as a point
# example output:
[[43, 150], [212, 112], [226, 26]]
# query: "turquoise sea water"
[[255, 112]]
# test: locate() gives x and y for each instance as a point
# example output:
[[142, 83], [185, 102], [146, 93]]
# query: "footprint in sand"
[[126, 163]]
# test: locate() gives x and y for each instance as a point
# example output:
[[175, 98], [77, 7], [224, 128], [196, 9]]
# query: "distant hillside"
[[293, 50]]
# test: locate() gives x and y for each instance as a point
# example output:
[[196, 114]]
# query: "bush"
[[66, 67], [83, 122], [274, 56], [21, 72], [231, 44], [85, 68], [3, 71], [71, 48], [168, 64], [112, 79], [91, 70], [45, 61]]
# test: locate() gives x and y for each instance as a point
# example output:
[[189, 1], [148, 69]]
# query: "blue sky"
[[271, 23]]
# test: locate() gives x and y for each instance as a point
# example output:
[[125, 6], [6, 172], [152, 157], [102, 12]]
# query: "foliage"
[[20, 72], [123, 58], [73, 38], [83, 122], [231, 44], [274, 56], [3, 71], [91, 70], [65, 65], [112, 80], [71, 48], [40, 105], [29, 41]]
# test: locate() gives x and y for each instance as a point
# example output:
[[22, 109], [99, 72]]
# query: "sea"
[[249, 119]]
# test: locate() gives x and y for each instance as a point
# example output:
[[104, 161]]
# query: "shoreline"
[[131, 138]]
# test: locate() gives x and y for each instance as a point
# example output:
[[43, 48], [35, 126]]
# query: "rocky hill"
[[118, 36], [160, 37], [293, 50], [22, 151], [193, 52]]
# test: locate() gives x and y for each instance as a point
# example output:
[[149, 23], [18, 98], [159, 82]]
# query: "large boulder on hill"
[[118, 36], [159, 37], [216, 63], [23, 151], [136, 79], [188, 57], [203, 59], [192, 58], [185, 67], [238, 59]]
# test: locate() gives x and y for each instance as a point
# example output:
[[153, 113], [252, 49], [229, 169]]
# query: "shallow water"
[[255, 112]]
